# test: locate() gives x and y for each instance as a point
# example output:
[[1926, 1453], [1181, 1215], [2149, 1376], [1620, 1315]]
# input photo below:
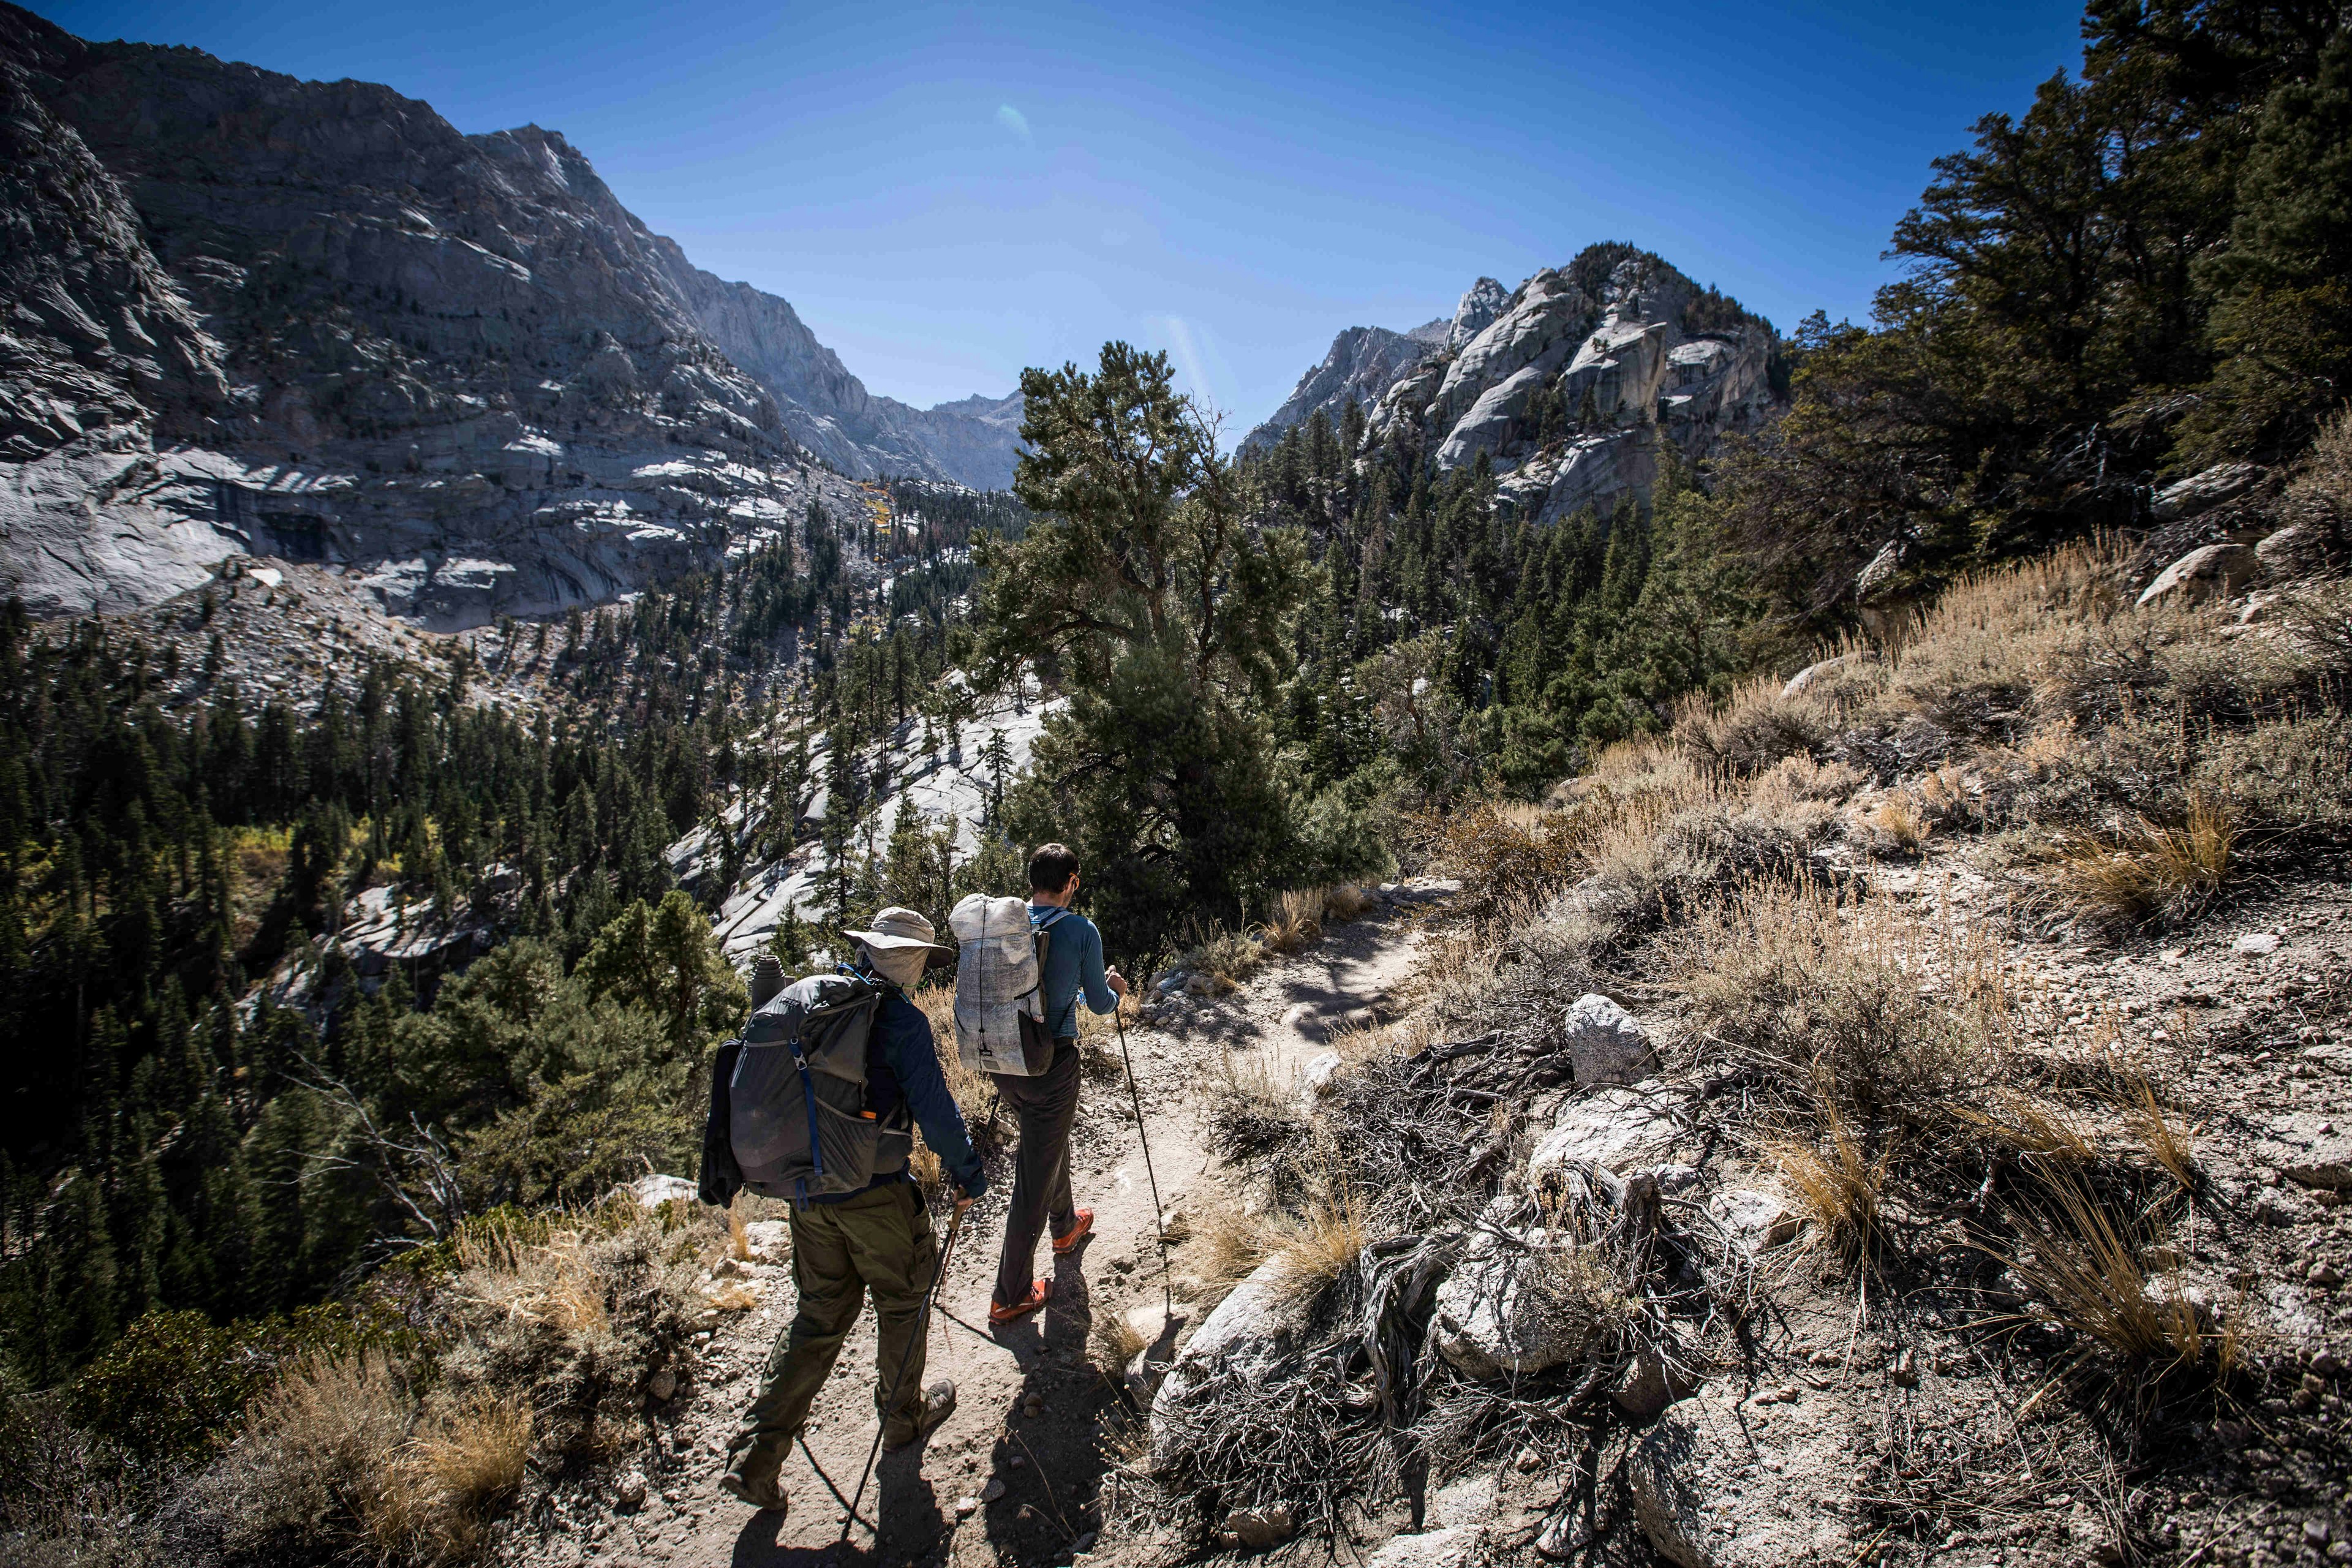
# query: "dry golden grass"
[[1294, 919], [738, 1240], [1310, 1249], [2169, 1141], [734, 1296], [1112, 1342], [2150, 871], [436, 1493], [1232, 1244], [1369, 1042], [2089, 1267], [1506, 852], [1862, 1005], [1944, 795], [321, 1455], [2029, 1127], [975, 1096], [1250, 1114], [476, 1457], [1320, 1246], [1899, 825], [532, 1271], [1838, 1184]]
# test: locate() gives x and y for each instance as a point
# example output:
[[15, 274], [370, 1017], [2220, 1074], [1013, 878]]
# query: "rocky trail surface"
[[1903, 1424], [1020, 1473]]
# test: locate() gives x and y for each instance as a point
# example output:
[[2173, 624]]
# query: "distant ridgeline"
[[313, 321]]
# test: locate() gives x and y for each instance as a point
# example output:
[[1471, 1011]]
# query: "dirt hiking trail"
[[997, 1484]]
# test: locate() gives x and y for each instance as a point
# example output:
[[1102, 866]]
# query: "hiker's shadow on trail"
[[907, 1510], [1051, 1463], [756, 1547]]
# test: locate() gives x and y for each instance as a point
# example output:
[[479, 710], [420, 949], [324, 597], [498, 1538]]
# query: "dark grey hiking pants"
[[1045, 1106]]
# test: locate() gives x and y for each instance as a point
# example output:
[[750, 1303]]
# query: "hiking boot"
[[1081, 1228], [905, 1431], [752, 1477], [1039, 1290]]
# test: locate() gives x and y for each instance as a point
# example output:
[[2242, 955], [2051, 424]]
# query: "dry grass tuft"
[[1252, 1117], [2170, 1142], [1295, 921], [2320, 619], [1232, 1244], [2029, 1127], [1320, 1246], [1858, 1006], [1897, 825], [1312, 1248], [735, 1296], [1112, 1343], [476, 1458], [2151, 872], [1506, 853], [532, 1273], [1368, 1042], [2089, 1267], [1227, 957], [1839, 1185], [975, 1096], [318, 1465]]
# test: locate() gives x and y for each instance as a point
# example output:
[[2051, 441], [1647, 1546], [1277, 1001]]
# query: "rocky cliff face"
[[245, 313], [973, 442], [1365, 362], [1569, 386]]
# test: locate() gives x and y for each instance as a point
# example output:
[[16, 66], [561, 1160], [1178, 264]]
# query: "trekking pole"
[[1159, 1215], [922, 1329]]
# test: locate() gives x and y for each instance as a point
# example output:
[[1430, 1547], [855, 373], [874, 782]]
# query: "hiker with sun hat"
[[877, 1237]]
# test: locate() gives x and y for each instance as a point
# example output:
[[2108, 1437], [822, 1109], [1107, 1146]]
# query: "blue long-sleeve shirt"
[[902, 1066], [1074, 966]]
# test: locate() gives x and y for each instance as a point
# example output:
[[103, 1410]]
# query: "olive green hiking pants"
[[879, 1241]]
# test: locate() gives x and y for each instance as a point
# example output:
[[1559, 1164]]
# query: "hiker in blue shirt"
[[1048, 1103]]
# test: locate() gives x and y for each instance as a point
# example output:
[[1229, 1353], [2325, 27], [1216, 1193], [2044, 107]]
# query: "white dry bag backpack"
[[1000, 1009]]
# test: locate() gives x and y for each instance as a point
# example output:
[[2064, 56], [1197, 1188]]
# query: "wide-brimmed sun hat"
[[899, 927]]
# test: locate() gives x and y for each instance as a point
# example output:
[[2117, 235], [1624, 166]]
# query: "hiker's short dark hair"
[[1050, 866]]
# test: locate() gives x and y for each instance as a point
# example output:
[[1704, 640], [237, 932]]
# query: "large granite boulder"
[[1605, 1044], [1498, 1313], [2201, 492], [2309, 548], [1619, 1129], [1249, 1335], [2209, 571]]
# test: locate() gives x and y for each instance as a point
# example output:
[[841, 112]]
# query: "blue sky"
[[948, 194]]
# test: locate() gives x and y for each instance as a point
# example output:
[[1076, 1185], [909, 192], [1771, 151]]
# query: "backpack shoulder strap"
[[1042, 935]]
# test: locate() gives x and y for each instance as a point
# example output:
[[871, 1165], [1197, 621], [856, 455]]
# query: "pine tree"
[[1169, 617]]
